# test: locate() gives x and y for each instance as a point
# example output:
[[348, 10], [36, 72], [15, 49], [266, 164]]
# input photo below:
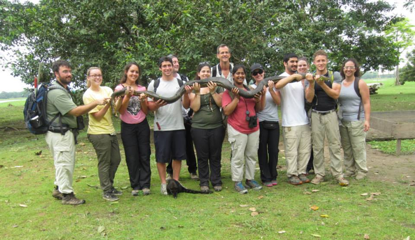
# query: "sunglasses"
[[257, 72], [204, 63]]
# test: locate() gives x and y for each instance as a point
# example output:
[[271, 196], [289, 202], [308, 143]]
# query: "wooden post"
[[398, 146]]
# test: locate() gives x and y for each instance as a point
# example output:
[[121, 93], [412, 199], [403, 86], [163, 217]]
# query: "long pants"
[[190, 153], [323, 125], [208, 143], [244, 149], [353, 139], [268, 152], [297, 144], [62, 148], [136, 141], [109, 158]]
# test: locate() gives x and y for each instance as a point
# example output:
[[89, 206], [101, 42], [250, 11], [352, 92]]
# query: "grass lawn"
[[28, 211]]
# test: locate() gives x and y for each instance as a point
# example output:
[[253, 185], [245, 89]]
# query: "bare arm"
[[281, 83], [333, 92], [186, 100], [228, 109], [364, 92], [195, 98], [80, 110], [309, 91], [275, 95], [101, 113]]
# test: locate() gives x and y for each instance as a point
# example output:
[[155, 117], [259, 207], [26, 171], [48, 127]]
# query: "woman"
[[101, 134], [207, 129], [135, 131], [355, 117], [243, 131], [269, 129]]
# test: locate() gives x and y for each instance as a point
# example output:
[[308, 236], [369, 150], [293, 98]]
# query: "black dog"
[[174, 187]]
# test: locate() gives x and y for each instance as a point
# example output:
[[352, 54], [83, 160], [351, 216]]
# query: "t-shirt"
[[292, 104], [270, 111], [238, 118], [168, 117], [60, 101], [133, 114], [324, 102], [209, 115], [105, 125]]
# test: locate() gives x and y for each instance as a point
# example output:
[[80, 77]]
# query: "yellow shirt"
[[104, 126]]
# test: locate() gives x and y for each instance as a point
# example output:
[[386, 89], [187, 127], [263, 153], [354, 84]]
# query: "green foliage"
[[7, 95], [109, 34], [373, 74], [408, 72]]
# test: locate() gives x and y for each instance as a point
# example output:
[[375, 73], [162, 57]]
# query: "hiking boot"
[[274, 182], [343, 182], [134, 192], [146, 191], [109, 196], [294, 180], [240, 188], [217, 188], [348, 174], [56, 194], [317, 180], [253, 184], [360, 176], [116, 192], [304, 178], [194, 176], [204, 188], [70, 199], [267, 184], [163, 189]]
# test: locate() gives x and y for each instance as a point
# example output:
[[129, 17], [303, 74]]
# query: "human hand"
[[212, 87], [196, 87]]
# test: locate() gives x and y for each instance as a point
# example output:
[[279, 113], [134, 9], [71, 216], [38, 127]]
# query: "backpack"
[[157, 83], [35, 115]]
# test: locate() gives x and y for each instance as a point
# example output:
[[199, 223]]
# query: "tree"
[[403, 36], [408, 72], [111, 33]]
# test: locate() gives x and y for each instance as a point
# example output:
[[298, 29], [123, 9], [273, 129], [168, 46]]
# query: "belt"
[[58, 129], [323, 112]]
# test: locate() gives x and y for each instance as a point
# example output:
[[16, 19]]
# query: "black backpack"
[[35, 115]]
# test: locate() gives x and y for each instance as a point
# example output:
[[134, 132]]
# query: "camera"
[[252, 121]]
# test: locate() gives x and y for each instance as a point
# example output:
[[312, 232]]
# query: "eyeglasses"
[[96, 76], [257, 72], [349, 68]]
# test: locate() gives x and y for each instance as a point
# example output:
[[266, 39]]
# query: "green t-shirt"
[[209, 115], [60, 100]]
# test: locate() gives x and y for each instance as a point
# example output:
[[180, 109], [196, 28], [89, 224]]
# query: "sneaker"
[[70, 199], [168, 177], [360, 176], [109, 196], [240, 188], [134, 192], [194, 176], [116, 192], [317, 180], [253, 184], [217, 188], [204, 188], [146, 191], [56, 194], [303, 178], [348, 174], [274, 182], [163, 189], [343, 182], [268, 184], [294, 180]]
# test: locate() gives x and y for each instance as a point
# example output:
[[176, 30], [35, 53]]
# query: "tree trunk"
[[397, 83]]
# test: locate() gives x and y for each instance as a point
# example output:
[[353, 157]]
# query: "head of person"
[[290, 63], [203, 70], [320, 59], [62, 71], [176, 65], [223, 53], [238, 74], [166, 66], [303, 66], [257, 72], [350, 68], [93, 77], [131, 73]]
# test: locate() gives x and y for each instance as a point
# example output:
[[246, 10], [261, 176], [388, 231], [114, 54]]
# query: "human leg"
[[318, 134], [201, 141], [251, 151], [103, 146], [349, 165], [238, 143], [143, 139], [130, 142], [263, 154], [215, 155]]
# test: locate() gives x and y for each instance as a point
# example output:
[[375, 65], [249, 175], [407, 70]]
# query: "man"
[[62, 133], [324, 120], [187, 114], [224, 67], [295, 124], [169, 131]]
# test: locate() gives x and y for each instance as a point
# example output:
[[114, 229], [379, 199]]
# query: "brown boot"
[[70, 199], [56, 194]]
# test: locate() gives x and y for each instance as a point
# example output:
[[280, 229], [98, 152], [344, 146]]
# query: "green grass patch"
[[389, 147]]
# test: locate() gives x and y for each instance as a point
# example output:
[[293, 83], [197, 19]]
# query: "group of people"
[[252, 124]]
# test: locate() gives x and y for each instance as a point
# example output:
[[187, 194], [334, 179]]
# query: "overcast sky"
[[9, 83]]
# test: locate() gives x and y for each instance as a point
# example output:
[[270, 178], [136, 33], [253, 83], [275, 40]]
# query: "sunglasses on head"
[[257, 72]]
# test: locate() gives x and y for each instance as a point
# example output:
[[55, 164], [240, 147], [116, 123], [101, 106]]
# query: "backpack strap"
[[156, 84], [356, 89]]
